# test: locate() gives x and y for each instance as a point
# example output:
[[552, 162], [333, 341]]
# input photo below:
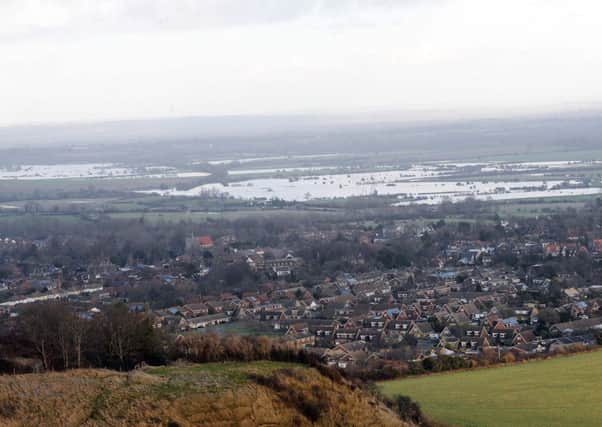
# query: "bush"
[[428, 364], [409, 410], [329, 372], [508, 358], [212, 348]]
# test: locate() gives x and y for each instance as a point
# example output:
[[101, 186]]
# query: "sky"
[[90, 60]]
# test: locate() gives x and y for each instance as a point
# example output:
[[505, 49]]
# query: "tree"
[[49, 327], [408, 410], [128, 338], [115, 338], [548, 316]]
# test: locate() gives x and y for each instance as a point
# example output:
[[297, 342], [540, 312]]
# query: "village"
[[524, 291]]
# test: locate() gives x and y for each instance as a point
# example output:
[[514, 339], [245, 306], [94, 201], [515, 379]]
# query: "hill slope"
[[231, 394]]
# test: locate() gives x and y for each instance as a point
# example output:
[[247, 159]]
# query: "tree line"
[[53, 336], [59, 338]]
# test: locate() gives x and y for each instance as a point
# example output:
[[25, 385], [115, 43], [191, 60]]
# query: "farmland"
[[559, 392]]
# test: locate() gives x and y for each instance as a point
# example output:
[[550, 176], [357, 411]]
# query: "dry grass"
[[209, 395]]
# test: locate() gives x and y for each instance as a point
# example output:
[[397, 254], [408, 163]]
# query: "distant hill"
[[570, 135], [227, 394]]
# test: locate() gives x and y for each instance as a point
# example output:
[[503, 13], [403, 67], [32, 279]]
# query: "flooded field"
[[423, 183], [298, 178], [92, 170]]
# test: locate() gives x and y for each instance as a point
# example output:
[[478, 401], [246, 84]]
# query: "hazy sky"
[[68, 60]]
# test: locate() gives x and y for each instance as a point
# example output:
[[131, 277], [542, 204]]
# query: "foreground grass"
[[564, 391], [211, 377], [188, 395]]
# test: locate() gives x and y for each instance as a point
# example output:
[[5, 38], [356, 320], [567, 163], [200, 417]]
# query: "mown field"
[[559, 392]]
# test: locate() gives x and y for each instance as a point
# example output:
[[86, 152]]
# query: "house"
[[470, 310], [342, 361], [215, 306], [421, 330], [195, 243], [509, 322], [267, 315], [345, 355], [396, 330], [526, 336], [323, 331], [571, 292], [400, 325], [565, 343], [425, 348], [282, 271], [137, 307], [194, 310], [167, 321], [474, 331], [529, 348], [502, 335], [343, 335], [597, 245], [368, 334], [205, 242], [204, 321], [472, 344], [458, 319], [377, 322], [551, 250], [286, 264], [569, 328]]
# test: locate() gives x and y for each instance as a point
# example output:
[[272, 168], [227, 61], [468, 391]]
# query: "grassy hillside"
[[558, 392], [226, 394]]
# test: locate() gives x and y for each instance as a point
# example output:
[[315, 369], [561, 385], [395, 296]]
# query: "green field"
[[564, 391], [242, 327]]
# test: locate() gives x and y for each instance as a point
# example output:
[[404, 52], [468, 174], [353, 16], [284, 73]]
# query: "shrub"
[[408, 410], [330, 372], [508, 358]]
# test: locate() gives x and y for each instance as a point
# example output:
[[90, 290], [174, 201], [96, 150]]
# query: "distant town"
[[358, 294]]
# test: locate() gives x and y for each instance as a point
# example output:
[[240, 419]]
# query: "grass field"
[[559, 392], [242, 327], [19, 218], [534, 207]]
